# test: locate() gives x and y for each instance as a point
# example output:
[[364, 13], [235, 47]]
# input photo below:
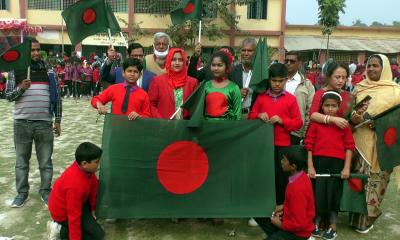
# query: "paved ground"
[[79, 124]]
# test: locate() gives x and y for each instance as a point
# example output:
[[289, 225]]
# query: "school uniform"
[[71, 201], [285, 106], [328, 144], [138, 99]]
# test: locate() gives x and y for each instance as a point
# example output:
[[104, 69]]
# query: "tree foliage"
[[328, 15], [359, 23]]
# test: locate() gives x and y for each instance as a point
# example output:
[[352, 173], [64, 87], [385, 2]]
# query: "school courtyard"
[[79, 125]]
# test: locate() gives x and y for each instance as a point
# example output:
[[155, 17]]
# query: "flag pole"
[[109, 36], [123, 37], [200, 31], [62, 30], [176, 112]]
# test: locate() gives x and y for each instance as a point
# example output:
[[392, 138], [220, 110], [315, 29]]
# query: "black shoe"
[[19, 200], [45, 198]]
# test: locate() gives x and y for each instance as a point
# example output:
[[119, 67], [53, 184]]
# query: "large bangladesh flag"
[[388, 138], [88, 17], [17, 57], [186, 10], [153, 168]]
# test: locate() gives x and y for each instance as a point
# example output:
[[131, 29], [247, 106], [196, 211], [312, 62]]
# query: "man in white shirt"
[[304, 91]]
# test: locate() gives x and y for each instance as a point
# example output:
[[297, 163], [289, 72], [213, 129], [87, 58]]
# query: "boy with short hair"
[[127, 98], [280, 108], [72, 202], [293, 221]]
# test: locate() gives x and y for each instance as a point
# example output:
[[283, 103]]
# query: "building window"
[[257, 9], [44, 4], [116, 5], [4, 5], [151, 6], [119, 5]]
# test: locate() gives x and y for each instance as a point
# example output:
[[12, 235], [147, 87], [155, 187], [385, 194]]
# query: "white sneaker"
[[53, 230], [252, 222]]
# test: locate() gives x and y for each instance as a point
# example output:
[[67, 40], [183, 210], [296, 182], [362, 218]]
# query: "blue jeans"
[[25, 133]]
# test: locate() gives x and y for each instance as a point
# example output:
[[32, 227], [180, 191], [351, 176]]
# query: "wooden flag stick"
[[123, 37], [109, 36], [176, 112], [200, 31]]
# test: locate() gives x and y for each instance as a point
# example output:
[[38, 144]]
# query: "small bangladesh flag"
[[187, 10], [156, 168], [260, 63], [88, 17], [17, 57], [8, 42], [353, 195], [195, 105], [387, 127]]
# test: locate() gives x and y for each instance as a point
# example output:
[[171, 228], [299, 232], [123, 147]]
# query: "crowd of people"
[[314, 123]]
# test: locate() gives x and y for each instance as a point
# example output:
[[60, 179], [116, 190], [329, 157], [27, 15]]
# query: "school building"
[[261, 18]]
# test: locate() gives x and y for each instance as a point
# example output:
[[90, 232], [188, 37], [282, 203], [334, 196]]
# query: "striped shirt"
[[34, 103]]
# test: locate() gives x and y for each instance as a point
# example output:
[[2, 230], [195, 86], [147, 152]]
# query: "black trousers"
[[295, 140], [91, 230], [281, 178], [275, 233]]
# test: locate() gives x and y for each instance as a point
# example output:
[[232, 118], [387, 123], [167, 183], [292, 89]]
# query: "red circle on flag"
[[11, 56], [216, 104], [189, 8], [182, 167], [390, 136], [89, 16]]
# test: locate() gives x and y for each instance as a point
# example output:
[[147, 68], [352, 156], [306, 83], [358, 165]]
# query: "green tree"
[[396, 23], [328, 17], [377, 24], [359, 23]]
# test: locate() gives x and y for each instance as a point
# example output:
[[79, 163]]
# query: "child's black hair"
[[132, 62], [278, 70], [87, 152], [223, 58], [297, 155], [330, 95]]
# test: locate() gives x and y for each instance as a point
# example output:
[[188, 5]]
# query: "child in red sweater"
[[293, 220], [278, 107], [127, 98], [72, 202], [329, 152]]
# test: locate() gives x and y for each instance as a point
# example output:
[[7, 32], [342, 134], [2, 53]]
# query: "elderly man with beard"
[[156, 62], [239, 74]]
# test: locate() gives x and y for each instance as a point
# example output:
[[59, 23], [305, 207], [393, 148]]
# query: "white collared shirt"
[[140, 80], [292, 84], [247, 100]]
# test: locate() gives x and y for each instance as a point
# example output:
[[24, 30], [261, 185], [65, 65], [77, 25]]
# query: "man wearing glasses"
[[135, 50], [298, 85]]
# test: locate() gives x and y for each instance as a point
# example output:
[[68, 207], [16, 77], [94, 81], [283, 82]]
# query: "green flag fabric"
[[260, 63], [8, 42], [387, 127], [186, 10], [16, 57], [112, 20], [88, 17], [353, 199], [156, 168], [195, 105]]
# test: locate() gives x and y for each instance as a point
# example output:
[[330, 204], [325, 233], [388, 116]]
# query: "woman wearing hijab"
[[168, 91], [385, 94]]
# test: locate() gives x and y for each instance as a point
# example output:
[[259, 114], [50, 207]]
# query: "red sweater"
[[329, 140], [70, 192], [138, 100], [344, 108], [298, 207], [285, 106]]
